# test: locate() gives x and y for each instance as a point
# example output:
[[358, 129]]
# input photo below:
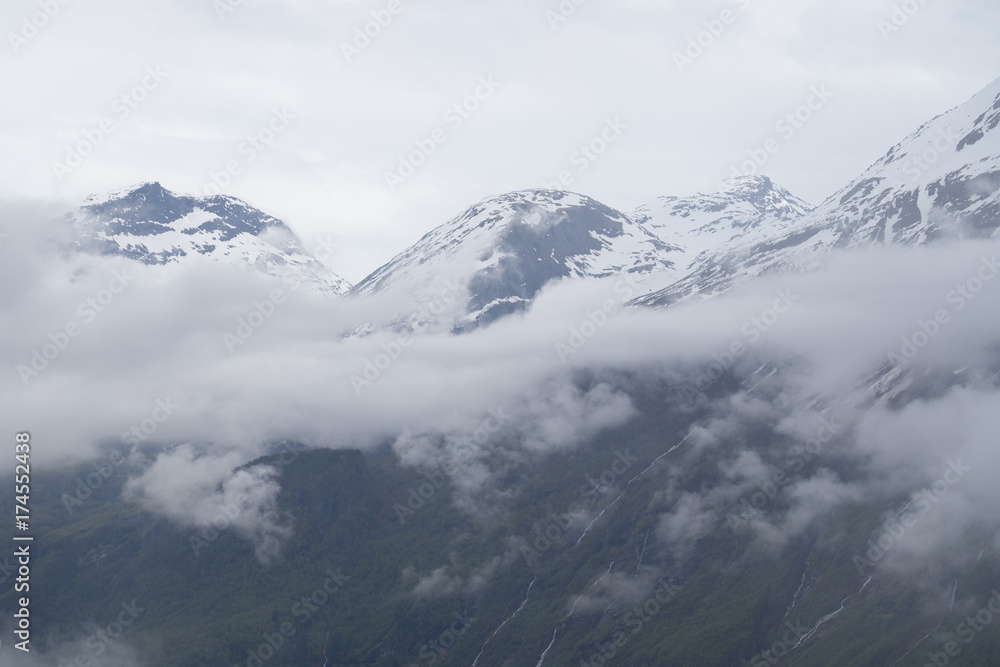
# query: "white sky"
[[324, 174]]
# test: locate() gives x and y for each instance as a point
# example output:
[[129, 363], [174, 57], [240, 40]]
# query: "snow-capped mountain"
[[150, 224], [747, 208], [942, 181], [505, 249]]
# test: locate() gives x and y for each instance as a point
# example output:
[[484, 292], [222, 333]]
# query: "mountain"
[[751, 522], [503, 250], [152, 225], [386, 570], [748, 208], [940, 182]]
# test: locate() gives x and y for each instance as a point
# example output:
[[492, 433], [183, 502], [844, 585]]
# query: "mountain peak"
[[530, 207], [506, 248], [747, 183], [941, 182], [764, 195], [150, 224], [742, 203], [150, 189]]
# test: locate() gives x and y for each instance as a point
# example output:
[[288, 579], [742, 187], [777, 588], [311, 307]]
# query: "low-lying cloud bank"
[[101, 352]]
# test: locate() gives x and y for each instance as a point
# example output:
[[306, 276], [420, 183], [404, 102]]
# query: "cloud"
[[809, 499], [689, 520], [160, 341], [436, 584], [454, 579], [615, 590], [940, 455], [101, 642], [186, 488]]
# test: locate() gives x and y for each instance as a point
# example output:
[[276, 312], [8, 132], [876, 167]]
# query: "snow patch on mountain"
[[505, 249], [941, 182], [150, 224]]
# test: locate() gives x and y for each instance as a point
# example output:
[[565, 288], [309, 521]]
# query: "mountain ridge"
[[152, 225], [940, 182], [508, 247]]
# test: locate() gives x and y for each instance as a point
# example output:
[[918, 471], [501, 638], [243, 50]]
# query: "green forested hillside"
[[344, 590]]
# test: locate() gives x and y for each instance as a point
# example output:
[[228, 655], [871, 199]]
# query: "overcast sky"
[[680, 129]]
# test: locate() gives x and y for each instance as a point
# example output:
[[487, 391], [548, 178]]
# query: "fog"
[[150, 365]]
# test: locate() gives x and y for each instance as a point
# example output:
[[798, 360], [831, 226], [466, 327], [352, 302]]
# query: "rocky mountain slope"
[[941, 182], [152, 225], [505, 249]]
